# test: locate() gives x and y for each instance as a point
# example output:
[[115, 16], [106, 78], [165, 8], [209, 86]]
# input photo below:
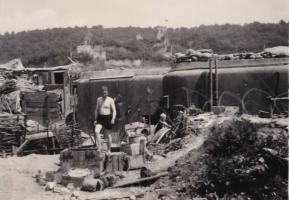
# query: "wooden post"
[[211, 84], [25, 125]]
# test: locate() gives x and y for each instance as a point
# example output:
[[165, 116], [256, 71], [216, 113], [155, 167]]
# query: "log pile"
[[11, 131]]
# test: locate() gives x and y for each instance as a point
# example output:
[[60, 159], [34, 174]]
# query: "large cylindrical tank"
[[249, 87]]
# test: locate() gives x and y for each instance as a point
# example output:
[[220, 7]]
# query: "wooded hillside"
[[53, 46]]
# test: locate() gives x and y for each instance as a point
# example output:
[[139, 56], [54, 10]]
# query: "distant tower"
[[163, 37], [139, 36]]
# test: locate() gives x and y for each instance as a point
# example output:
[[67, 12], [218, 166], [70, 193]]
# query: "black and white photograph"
[[144, 99]]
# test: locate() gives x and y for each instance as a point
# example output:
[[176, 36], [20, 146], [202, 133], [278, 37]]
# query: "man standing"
[[105, 114]]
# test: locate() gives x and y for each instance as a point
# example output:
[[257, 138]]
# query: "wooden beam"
[[141, 180]]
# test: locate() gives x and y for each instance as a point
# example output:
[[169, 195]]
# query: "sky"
[[19, 15]]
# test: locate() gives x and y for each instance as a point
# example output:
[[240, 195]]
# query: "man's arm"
[[113, 110]]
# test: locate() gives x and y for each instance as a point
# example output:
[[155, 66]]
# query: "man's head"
[[163, 117], [104, 91]]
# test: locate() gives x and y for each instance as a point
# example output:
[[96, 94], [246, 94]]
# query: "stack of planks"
[[41, 106], [12, 130]]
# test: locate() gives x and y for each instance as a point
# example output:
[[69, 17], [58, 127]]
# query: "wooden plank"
[[21, 147], [141, 181], [38, 136]]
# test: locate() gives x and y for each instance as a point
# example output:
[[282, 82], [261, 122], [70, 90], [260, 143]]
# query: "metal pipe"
[[216, 84], [211, 84]]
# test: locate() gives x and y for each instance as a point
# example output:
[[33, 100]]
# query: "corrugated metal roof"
[[122, 73], [66, 67]]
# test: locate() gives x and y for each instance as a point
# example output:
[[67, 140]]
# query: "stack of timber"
[[41, 106], [12, 131]]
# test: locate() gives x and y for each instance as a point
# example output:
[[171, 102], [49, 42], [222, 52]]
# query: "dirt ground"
[[16, 173], [17, 182]]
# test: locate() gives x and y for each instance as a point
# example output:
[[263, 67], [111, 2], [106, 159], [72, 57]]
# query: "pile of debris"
[[11, 126], [11, 88], [239, 160], [173, 137], [24, 109], [85, 168], [203, 55]]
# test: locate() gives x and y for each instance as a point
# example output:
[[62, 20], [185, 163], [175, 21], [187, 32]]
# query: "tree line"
[[53, 46]]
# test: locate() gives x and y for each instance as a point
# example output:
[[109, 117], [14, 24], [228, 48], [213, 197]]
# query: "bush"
[[232, 163]]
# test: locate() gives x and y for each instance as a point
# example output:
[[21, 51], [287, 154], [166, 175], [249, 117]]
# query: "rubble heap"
[[184, 126], [239, 160]]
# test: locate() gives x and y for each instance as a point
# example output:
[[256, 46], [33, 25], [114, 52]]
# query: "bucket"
[[92, 185]]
